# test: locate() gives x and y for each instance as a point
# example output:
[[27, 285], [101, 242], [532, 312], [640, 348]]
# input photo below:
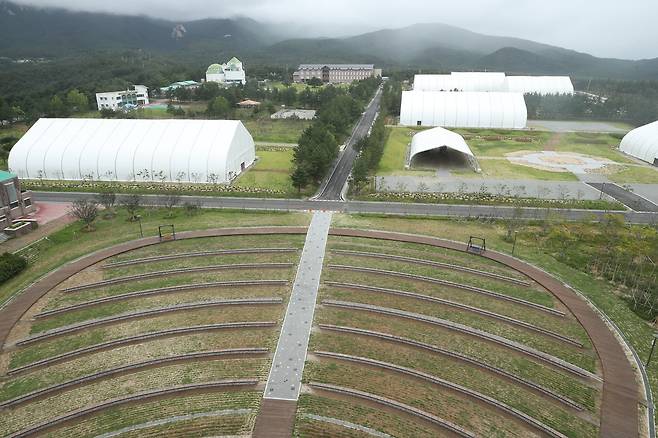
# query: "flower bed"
[[151, 188], [491, 199]]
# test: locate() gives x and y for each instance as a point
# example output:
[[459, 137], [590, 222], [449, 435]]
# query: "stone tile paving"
[[285, 377]]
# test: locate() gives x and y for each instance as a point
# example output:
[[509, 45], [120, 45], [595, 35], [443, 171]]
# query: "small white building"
[[642, 143], [117, 100], [231, 73]]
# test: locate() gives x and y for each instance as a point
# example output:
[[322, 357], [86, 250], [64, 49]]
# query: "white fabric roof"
[[642, 143], [461, 81], [133, 150], [543, 85], [494, 82], [463, 110], [438, 137]]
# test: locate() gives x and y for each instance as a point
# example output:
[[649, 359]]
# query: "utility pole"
[[653, 346]]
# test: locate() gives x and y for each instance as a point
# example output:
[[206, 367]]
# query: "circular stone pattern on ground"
[[560, 161]]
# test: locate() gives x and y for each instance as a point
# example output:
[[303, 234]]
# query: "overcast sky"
[[610, 28]]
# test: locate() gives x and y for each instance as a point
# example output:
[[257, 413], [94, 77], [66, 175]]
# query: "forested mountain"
[[29, 32]]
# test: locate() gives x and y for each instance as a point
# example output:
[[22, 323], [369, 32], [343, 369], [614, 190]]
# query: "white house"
[[230, 73], [116, 100]]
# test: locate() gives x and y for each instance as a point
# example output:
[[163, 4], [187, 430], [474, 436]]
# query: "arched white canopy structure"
[[196, 151], [543, 85], [459, 81], [463, 110], [438, 138], [642, 143], [494, 82]]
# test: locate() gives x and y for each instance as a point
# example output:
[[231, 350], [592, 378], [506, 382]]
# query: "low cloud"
[[603, 28]]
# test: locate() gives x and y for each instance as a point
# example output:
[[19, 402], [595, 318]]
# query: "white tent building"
[[439, 138], [463, 110], [642, 143], [494, 82], [461, 81], [543, 85], [197, 151]]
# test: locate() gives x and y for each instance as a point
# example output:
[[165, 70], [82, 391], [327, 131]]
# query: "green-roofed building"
[[231, 73], [14, 203]]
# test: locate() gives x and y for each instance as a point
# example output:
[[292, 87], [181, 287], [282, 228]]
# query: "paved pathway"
[[395, 208], [285, 379]]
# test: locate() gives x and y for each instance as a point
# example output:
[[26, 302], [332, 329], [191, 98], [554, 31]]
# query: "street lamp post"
[[653, 346]]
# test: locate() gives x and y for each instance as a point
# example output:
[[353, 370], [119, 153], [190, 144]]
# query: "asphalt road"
[[405, 209], [332, 189], [629, 199]]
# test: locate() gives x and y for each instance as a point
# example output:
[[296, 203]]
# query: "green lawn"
[[276, 131], [272, 171], [395, 154], [636, 174]]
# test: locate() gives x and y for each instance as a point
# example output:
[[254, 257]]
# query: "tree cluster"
[[318, 145]]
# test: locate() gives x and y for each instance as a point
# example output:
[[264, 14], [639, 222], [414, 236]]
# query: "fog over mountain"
[[603, 28]]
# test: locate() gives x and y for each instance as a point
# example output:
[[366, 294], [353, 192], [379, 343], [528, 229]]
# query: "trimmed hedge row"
[[10, 266]]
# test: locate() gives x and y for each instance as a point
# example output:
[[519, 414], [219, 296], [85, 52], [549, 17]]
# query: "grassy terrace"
[[152, 379], [150, 350], [421, 251], [472, 416], [583, 358], [126, 416], [71, 242], [637, 331], [513, 395], [212, 244], [358, 413], [505, 359]]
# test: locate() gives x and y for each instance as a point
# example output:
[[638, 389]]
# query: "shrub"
[[10, 266]]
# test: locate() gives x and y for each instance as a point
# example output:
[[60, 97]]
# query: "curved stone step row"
[[133, 340], [347, 425], [130, 369], [200, 254], [460, 306], [170, 272], [459, 357], [61, 331], [432, 280], [135, 398], [491, 402], [460, 328], [390, 403], [174, 420], [162, 291], [434, 264]]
